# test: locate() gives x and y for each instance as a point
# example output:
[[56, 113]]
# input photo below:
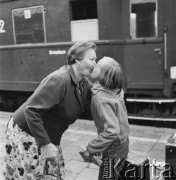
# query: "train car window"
[[84, 9], [143, 18], [84, 20], [28, 24]]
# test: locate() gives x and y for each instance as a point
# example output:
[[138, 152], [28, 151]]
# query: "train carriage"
[[140, 34]]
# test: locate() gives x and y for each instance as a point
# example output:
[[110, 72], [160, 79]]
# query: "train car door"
[[169, 47], [143, 51]]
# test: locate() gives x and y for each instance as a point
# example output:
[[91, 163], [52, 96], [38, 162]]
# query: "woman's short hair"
[[77, 51], [110, 75]]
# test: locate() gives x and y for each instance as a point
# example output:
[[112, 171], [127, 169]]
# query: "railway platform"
[[145, 141]]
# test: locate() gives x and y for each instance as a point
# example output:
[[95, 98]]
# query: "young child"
[[110, 117]]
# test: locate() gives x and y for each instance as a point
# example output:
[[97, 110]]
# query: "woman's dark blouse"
[[54, 105]]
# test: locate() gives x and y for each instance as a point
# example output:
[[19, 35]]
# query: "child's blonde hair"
[[110, 75]]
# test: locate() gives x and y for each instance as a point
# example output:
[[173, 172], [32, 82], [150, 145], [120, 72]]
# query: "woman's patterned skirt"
[[24, 160]]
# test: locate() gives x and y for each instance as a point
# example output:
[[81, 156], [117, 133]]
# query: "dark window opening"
[[84, 10], [29, 25], [143, 19]]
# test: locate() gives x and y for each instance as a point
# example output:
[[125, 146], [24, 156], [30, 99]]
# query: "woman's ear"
[[77, 61]]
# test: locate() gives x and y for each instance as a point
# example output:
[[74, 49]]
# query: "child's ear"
[[77, 61]]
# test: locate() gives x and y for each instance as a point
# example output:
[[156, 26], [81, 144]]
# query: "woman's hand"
[[50, 151]]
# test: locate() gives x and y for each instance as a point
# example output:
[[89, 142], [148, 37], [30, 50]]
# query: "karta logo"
[[127, 170]]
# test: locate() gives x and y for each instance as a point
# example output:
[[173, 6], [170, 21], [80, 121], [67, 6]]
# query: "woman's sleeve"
[[49, 93], [105, 112]]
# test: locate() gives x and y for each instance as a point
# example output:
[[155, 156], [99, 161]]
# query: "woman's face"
[[96, 71], [87, 64]]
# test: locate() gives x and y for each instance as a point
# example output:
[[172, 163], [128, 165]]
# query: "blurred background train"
[[140, 34]]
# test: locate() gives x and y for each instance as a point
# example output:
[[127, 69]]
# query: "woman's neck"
[[77, 74]]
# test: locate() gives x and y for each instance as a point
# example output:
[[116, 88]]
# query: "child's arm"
[[106, 113]]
